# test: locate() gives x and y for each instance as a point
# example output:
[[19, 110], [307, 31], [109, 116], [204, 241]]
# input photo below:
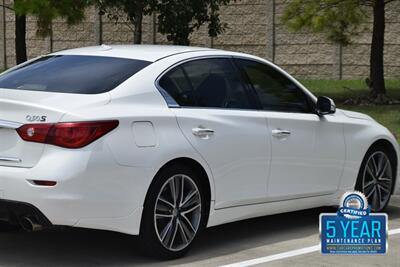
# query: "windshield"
[[72, 74]]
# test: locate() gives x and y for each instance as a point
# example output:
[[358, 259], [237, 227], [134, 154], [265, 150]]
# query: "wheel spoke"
[[383, 188], [183, 234], [369, 194], [178, 188], [191, 209], [370, 172], [166, 201], [386, 185], [163, 208], [375, 166], [381, 199], [381, 159], [382, 171], [175, 226], [159, 215], [173, 191], [177, 181], [188, 198], [368, 185], [182, 191], [187, 221], [166, 230], [376, 200], [189, 232], [388, 180]]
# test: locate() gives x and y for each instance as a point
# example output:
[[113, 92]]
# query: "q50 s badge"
[[33, 118], [353, 229]]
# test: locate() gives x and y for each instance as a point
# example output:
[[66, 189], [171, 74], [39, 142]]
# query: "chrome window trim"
[[9, 124], [171, 103]]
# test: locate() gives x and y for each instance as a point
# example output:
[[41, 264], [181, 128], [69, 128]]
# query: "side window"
[[178, 87], [212, 83], [274, 90]]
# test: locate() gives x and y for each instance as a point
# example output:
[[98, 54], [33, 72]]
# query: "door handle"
[[202, 132], [280, 133]]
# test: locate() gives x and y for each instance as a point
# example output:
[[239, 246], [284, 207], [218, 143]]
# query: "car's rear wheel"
[[174, 212], [376, 178]]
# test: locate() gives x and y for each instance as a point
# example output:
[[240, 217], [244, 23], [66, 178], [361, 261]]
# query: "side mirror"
[[325, 106]]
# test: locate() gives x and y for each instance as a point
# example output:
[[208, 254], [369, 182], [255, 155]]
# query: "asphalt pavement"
[[271, 239]]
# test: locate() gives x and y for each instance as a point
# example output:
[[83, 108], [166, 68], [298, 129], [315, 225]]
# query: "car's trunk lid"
[[18, 107]]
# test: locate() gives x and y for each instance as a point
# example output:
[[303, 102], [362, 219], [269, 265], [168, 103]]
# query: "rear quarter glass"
[[72, 74]]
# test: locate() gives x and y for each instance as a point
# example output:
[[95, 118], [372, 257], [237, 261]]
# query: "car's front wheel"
[[376, 178], [174, 212]]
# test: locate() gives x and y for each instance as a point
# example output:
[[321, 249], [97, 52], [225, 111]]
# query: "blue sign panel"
[[353, 229], [364, 235]]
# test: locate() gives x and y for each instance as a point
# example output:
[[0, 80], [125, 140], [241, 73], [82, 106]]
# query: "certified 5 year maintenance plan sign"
[[353, 229]]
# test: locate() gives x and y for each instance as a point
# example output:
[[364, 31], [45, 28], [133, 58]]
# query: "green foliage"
[[337, 19], [130, 8], [180, 18], [47, 10], [177, 19]]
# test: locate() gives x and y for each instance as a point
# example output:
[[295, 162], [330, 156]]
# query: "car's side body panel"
[[104, 185], [360, 134], [309, 162], [240, 166], [222, 216]]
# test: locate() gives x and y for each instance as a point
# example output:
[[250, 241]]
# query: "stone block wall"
[[253, 27]]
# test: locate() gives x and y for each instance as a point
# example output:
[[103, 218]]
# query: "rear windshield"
[[72, 74]]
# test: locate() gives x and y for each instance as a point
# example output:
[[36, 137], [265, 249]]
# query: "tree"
[[339, 20], [45, 11], [20, 38], [178, 19], [20, 35], [132, 10]]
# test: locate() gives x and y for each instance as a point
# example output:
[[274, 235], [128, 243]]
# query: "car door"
[[308, 151], [218, 117]]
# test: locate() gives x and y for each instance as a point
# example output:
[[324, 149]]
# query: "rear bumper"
[[92, 190], [13, 211]]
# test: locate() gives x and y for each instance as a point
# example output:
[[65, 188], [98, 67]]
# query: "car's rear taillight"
[[66, 134]]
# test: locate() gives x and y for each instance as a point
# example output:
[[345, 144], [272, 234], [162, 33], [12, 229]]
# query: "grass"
[[388, 116]]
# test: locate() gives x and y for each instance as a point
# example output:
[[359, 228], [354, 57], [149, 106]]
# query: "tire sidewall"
[[359, 183]]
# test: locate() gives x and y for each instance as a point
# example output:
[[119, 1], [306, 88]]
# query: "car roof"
[[150, 53]]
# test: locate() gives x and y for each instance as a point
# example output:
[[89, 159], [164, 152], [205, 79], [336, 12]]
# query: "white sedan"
[[163, 141]]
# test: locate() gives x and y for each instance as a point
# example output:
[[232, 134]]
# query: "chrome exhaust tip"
[[30, 224]]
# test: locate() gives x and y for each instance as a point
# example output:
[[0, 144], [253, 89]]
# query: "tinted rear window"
[[72, 74]]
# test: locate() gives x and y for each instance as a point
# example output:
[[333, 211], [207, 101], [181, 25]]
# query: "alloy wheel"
[[377, 180], [177, 212]]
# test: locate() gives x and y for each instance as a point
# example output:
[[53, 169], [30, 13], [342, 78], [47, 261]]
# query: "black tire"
[[8, 227], [148, 233], [374, 150]]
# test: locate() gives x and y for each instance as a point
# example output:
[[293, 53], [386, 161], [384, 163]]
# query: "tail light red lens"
[[66, 134]]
